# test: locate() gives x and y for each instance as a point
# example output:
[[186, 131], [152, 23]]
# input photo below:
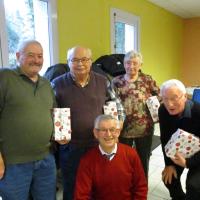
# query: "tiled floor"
[[157, 190]]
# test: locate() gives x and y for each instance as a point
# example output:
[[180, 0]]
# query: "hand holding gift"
[[111, 109], [186, 144], [179, 159], [153, 104]]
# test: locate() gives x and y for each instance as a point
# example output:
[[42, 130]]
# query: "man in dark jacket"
[[178, 112]]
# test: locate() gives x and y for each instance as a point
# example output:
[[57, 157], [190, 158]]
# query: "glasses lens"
[[82, 60], [111, 130]]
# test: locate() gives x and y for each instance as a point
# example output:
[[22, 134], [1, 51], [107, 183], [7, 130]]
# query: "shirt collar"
[[113, 151], [74, 79], [21, 73], [187, 111]]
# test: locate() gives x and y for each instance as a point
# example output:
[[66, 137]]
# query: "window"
[[124, 31], [28, 19]]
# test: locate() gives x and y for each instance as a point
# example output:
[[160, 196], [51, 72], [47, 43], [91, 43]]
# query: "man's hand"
[[179, 160], [2, 167], [168, 173], [64, 141]]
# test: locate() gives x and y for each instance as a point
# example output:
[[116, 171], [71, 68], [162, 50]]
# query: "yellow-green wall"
[[88, 23]]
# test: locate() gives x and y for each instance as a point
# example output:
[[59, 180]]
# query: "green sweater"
[[25, 117]]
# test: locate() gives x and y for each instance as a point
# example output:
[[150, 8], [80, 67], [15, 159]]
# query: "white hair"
[[101, 118], [133, 54], [23, 44], [171, 83], [71, 51]]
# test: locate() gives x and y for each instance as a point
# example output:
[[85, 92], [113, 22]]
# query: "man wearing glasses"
[[178, 112], [85, 93], [110, 171]]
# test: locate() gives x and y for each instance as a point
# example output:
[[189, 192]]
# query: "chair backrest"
[[196, 95]]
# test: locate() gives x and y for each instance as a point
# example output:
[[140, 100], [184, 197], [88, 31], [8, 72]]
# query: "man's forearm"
[[2, 166]]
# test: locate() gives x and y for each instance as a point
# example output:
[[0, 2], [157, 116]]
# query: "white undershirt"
[[114, 151]]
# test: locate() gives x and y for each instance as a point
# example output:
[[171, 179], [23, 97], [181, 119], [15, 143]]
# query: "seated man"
[[178, 112], [111, 170]]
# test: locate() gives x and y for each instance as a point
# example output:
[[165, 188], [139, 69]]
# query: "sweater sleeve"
[[2, 98], [83, 186], [139, 189], [194, 161], [155, 90], [115, 97], [164, 133]]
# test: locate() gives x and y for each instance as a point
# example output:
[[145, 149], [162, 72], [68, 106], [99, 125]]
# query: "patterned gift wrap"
[[62, 123], [183, 142], [111, 109], [153, 104]]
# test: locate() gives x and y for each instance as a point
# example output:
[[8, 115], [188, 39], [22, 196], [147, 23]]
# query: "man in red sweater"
[[110, 171]]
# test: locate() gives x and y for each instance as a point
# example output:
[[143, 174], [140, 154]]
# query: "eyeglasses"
[[132, 63], [104, 130], [173, 99], [82, 60]]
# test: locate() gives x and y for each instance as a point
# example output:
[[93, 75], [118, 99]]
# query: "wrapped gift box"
[[111, 109], [62, 123], [183, 142], [153, 104]]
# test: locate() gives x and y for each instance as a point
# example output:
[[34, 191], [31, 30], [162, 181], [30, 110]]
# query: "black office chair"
[[196, 95]]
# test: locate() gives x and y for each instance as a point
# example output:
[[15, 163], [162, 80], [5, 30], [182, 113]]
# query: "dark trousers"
[[143, 147], [192, 185], [69, 157]]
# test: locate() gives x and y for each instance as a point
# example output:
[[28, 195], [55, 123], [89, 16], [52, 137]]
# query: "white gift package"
[[110, 109], [153, 104], [183, 142], [62, 123]]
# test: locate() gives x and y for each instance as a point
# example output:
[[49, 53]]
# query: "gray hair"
[[171, 83], [101, 118], [23, 44], [71, 51], [133, 54]]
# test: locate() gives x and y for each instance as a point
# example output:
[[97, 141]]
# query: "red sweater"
[[121, 178]]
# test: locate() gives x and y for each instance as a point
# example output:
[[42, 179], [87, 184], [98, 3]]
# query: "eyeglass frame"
[[132, 63], [83, 60], [105, 130], [172, 100]]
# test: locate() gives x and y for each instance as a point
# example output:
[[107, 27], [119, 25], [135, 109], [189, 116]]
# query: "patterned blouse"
[[133, 95]]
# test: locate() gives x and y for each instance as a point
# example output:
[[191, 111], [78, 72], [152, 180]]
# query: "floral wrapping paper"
[[183, 142], [62, 123], [111, 109], [153, 104]]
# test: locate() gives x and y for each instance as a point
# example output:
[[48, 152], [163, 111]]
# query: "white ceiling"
[[182, 8]]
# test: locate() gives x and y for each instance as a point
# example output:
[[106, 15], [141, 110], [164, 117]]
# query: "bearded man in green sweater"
[[26, 127]]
